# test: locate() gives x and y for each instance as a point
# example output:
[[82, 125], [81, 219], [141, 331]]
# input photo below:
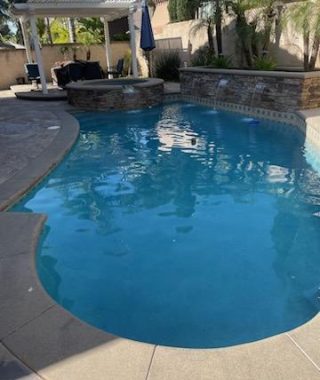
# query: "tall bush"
[[167, 66], [203, 57]]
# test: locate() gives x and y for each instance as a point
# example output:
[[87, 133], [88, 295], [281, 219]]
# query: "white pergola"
[[109, 10]]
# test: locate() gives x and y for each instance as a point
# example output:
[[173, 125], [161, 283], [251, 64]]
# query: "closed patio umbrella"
[[147, 39]]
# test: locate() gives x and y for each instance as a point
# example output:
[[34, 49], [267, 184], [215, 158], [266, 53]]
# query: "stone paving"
[[40, 340], [29, 92], [24, 132]]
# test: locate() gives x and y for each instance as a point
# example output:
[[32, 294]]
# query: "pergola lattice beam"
[[110, 9]]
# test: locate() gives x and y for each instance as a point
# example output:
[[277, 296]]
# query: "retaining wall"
[[273, 90]]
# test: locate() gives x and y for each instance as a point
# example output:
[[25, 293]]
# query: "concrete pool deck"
[[40, 340]]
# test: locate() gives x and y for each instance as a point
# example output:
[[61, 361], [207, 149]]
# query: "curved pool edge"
[[104, 95], [56, 345], [50, 341], [91, 84], [37, 168]]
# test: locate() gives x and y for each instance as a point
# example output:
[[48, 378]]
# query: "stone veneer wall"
[[273, 90], [108, 98]]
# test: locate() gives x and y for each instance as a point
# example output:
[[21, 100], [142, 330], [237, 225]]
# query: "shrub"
[[127, 63], [205, 57], [221, 62], [65, 50], [167, 66], [264, 63], [202, 57], [120, 37]]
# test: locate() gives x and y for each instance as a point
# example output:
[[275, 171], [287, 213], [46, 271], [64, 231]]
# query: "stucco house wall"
[[286, 46]]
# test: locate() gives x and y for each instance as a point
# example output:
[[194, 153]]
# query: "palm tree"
[[244, 30], [218, 15], [268, 16], [47, 22], [6, 22], [90, 32], [254, 34], [305, 17], [207, 21], [88, 38], [211, 17]]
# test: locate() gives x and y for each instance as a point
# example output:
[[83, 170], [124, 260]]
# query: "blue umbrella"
[[147, 40]]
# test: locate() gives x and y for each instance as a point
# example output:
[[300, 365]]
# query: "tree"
[[48, 28], [254, 33], [88, 38], [244, 29], [183, 10], [268, 16], [218, 15], [41, 28], [59, 30], [305, 17], [6, 31], [172, 9], [207, 21], [93, 25], [211, 17]]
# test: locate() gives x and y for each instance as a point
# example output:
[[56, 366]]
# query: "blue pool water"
[[183, 227]]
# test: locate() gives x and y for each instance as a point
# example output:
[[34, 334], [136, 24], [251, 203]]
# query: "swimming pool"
[[181, 226]]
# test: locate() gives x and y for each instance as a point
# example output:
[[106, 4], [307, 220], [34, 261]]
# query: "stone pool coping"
[[40, 339], [90, 84], [256, 73]]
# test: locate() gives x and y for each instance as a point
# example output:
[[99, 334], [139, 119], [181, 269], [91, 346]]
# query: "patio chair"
[[32, 72], [118, 70]]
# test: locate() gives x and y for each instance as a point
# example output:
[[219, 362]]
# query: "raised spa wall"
[[273, 90], [95, 95]]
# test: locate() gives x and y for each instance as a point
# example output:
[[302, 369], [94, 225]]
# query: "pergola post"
[[107, 45], [37, 50], [26, 40], [133, 43]]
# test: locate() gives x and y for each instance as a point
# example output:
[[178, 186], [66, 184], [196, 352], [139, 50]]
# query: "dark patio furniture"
[[118, 70], [92, 70], [74, 71], [32, 71]]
